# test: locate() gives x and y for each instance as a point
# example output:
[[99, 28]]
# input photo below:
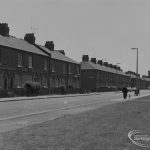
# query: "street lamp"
[[137, 92]]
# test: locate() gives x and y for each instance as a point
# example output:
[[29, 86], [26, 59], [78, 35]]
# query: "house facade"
[[137, 81], [101, 76], [64, 71], [21, 61]]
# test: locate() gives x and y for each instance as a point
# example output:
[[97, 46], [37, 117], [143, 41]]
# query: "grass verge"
[[101, 129]]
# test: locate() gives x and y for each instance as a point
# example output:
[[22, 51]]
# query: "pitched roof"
[[19, 44], [146, 79], [90, 65], [57, 55], [132, 76]]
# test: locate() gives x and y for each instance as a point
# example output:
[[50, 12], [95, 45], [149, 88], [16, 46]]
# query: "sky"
[[104, 29]]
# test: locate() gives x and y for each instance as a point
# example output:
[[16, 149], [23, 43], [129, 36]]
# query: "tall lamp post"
[[137, 91]]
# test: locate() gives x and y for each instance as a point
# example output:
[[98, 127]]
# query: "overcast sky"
[[105, 29]]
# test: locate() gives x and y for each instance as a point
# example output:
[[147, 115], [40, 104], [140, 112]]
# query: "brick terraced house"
[[21, 61], [141, 82], [101, 76], [64, 71]]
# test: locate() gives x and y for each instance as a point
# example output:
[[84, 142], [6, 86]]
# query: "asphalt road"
[[17, 114]]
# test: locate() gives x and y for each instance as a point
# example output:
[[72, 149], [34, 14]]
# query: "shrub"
[[32, 88], [3, 93]]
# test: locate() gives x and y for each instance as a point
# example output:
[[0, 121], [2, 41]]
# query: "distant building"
[[137, 81], [101, 76]]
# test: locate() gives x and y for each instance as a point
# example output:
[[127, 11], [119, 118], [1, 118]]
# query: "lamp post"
[[137, 92]]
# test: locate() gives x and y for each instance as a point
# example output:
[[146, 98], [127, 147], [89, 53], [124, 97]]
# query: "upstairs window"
[[64, 68], [30, 61], [53, 66], [19, 59], [45, 65], [78, 70], [69, 69]]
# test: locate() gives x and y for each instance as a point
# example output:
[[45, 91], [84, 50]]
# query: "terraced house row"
[[102, 76], [23, 61]]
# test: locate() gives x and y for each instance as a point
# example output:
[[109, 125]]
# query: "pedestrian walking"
[[125, 92]]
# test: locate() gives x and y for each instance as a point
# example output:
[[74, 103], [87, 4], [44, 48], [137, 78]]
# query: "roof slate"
[[132, 76], [90, 65], [19, 44], [57, 55]]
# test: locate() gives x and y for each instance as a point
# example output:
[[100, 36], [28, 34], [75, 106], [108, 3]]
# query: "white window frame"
[[64, 68], [78, 70], [53, 66], [19, 59], [30, 61], [44, 82], [45, 64], [69, 69]]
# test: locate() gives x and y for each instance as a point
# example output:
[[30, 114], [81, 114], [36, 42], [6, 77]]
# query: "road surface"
[[17, 114]]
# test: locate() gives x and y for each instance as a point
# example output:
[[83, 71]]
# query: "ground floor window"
[[5, 83], [36, 78], [11, 82], [44, 81], [8, 82]]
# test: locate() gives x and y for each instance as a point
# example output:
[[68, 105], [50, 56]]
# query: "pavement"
[[67, 95], [47, 96]]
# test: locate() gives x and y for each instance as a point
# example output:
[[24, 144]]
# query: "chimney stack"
[[110, 65], [115, 67], [50, 45], [93, 60], [85, 58], [4, 29], [30, 38], [100, 62], [105, 64]]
